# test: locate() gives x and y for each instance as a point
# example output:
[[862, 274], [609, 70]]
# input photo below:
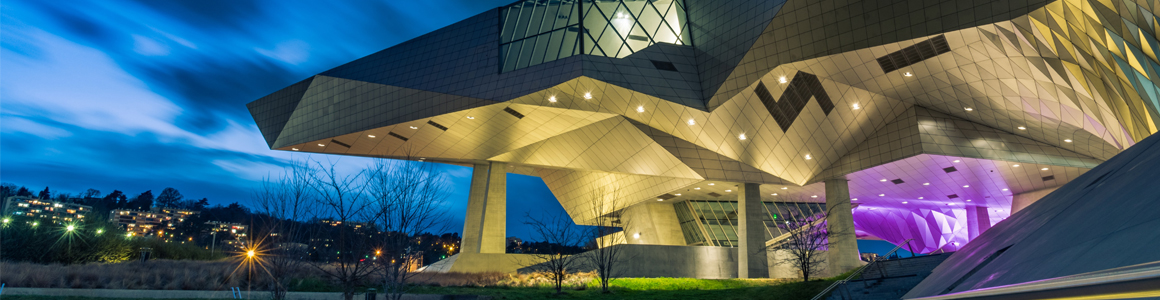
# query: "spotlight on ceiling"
[[588, 96], [966, 186], [1021, 128], [322, 145], [809, 157], [371, 136], [856, 106], [882, 180], [781, 79], [920, 198], [969, 109], [881, 195], [640, 109], [295, 149], [1045, 169], [728, 191], [1016, 165], [926, 183], [905, 202], [814, 196], [1067, 140], [552, 99], [785, 188], [692, 122], [907, 74], [414, 127], [741, 137]]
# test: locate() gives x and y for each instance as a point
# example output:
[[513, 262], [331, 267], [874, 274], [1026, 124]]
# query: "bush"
[[88, 242]]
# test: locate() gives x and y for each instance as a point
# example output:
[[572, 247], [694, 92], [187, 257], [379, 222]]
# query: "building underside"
[[932, 123]]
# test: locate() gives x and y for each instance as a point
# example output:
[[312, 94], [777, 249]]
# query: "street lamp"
[[70, 228]]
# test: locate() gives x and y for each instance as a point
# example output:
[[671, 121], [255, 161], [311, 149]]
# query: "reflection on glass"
[[539, 31], [714, 223]]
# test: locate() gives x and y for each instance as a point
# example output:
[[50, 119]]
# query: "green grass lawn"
[[624, 288], [654, 288]]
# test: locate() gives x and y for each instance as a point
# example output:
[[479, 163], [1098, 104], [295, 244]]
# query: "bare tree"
[[560, 235], [408, 199], [285, 202], [606, 205], [343, 199], [805, 242]]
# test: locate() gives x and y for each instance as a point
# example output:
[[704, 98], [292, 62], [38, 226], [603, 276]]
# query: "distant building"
[[45, 209], [355, 225], [155, 221], [233, 228]]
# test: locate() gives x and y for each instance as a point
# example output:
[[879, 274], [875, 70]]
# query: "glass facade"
[[538, 31], [714, 223]]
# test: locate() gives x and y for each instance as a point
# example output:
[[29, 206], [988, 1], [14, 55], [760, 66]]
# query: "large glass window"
[[539, 31], [714, 223]]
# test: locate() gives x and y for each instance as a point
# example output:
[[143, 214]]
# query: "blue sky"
[[143, 95]]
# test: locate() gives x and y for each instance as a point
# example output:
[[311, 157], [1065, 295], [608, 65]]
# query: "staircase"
[[888, 279]]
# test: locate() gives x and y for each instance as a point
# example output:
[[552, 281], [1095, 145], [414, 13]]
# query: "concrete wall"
[[656, 222], [780, 266], [481, 262], [1021, 201], [704, 262]]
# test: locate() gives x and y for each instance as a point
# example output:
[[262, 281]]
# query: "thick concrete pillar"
[[842, 255], [652, 223], [1020, 201], [485, 227], [978, 221], [751, 233]]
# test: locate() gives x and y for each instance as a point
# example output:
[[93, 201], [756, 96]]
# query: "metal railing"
[[859, 271]]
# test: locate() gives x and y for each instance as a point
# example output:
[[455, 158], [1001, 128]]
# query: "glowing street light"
[[6, 220], [250, 254], [100, 231], [35, 223], [70, 228]]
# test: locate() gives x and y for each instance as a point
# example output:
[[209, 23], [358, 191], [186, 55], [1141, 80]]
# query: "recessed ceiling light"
[[295, 149], [856, 106], [785, 188], [1022, 128], [905, 202], [659, 199], [414, 127], [696, 188], [322, 145], [968, 200], [809, 157], [969, 109], [678, 194], [881, 195], [640, 109], [588, 96], [371, 136], [728, 191], [422, 158], [882, 180], [907, 74], [774, 194], [781, 79], [552, 99], [855, 199], [1016, 165], [999, 210], [871, 208], [1067, 140], [712, 184], [920, 198], [926, 183], [741, 137], [1004, 190], [966, 185], [692, 122], [470, 118], [950, 204], [1045, 169], [956, 161], [814, 196]]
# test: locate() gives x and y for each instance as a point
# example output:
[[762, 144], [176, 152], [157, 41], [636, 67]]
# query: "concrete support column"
[[485, 227], [843, 247], [751, 233], [652, 223], [978, 221], [1021, 201]]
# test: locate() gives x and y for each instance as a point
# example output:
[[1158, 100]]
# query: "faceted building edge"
[[926, 130]]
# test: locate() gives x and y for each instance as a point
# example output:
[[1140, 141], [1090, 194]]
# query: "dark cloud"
[[212, 14]]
